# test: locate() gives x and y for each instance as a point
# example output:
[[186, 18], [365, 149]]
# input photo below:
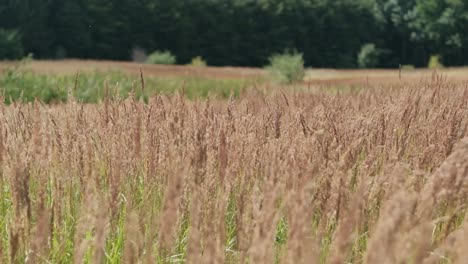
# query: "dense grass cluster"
[[378, 175], [20, 84]]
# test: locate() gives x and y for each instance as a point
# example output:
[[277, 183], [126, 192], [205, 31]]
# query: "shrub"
[[161, 57], [369, 56], [10, 45], [287, 67], [198, 62], [434, 62]]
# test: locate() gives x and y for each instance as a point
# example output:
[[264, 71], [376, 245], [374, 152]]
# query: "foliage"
[[287, 67], [20, 84], [89, 29], [369, 56], [434, 62], [330, 33], [396, 19], [10, 45], [161, 57], [441, 23], [198, 61]]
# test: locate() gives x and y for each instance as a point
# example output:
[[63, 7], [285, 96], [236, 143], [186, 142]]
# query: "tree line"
[[329, 33]]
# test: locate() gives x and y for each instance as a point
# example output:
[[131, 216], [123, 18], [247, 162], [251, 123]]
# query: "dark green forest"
[[329, 33]]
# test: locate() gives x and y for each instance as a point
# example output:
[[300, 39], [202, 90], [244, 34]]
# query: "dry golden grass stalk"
[[374, 175]]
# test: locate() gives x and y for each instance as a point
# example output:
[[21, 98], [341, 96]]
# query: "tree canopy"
[[329, 33]]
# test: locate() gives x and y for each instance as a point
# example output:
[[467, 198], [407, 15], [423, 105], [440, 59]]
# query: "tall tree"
[[396, 18], [443, 23], [109, 28], [32, 18], [71, 28]]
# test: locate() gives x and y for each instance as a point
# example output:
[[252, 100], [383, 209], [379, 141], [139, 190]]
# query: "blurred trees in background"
[[330, 33]]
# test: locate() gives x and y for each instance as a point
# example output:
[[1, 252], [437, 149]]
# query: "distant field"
[[91, 81], [313, 76], [71, 66], [330, 76]]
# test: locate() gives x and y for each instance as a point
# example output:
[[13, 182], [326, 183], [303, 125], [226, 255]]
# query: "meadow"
[[115, 168], [25, 82]]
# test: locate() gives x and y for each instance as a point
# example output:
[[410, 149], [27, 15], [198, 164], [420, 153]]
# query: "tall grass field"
[[108, 168]]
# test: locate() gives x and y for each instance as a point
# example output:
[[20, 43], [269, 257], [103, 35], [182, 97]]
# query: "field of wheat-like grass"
[[374, 175]]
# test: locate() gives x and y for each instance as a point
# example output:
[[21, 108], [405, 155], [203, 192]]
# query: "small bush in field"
[[198, 62], [161, 57], [287, 67], [434, 62]]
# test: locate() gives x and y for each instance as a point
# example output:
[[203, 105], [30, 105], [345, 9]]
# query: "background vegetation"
[[161, 57], [330, 33], [286, 68], [19, 84]]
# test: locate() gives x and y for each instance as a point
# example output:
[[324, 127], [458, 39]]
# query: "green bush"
[[161, 57], [369, 56], [435, 63], [287, 67], [198, 62], [10, 45]]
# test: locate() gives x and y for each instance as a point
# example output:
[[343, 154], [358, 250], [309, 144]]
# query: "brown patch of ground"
[[364, 77]]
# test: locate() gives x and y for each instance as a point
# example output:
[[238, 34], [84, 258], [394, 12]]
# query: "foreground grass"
[[371, 176]]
